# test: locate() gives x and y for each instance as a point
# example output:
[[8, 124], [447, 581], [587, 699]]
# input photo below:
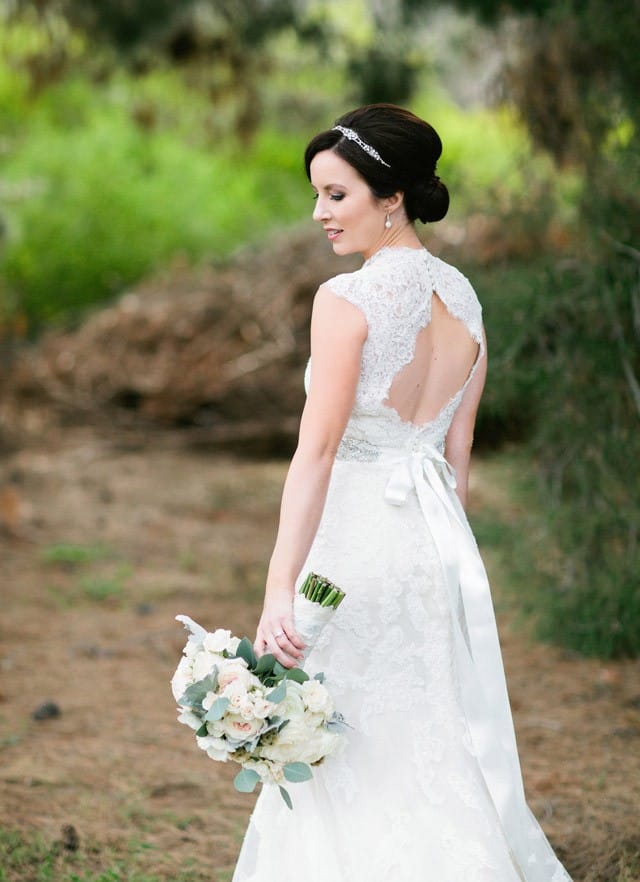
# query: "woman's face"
[[351, 215]]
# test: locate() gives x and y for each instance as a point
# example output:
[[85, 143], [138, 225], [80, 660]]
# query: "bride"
[[429, 786]]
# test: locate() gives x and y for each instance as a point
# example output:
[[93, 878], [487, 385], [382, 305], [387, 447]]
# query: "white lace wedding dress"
[[429, 786]]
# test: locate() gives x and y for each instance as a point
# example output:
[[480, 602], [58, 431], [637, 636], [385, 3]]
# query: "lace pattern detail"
[[393, 290]]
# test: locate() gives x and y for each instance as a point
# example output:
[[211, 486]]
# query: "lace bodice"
[[393, 289]]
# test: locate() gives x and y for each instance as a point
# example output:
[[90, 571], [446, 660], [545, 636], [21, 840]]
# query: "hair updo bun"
[[428, 200], [400, 155]]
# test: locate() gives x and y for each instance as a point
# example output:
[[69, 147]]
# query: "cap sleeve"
[[351, 287], [459, 296]]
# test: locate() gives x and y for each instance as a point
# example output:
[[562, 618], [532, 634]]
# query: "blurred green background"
[[136, 133]]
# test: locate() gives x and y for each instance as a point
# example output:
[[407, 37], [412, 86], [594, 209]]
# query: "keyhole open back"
[[443, 359]]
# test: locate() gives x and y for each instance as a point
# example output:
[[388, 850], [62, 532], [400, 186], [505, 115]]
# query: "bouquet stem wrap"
[[313, 606]]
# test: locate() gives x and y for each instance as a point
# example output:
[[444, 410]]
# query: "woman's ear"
[[393, 203]]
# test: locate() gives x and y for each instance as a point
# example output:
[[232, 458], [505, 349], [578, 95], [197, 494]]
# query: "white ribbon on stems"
[[479, 661], [309, 619]]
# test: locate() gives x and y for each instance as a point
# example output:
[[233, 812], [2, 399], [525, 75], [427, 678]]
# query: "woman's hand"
[[276, 633]]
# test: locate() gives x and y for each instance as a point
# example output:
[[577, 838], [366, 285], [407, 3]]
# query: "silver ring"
[[279, 634]]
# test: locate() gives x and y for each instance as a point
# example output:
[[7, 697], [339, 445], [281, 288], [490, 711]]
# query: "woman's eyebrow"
[[331, 187]]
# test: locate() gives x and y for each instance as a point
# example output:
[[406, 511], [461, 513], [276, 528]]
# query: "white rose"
[[281, 753], [246, 709], [182, 678], [314, 721], [239, 729], [231, 670], [216, 748], [296, 731], [324, 743], [216, 729], [292, 705], [203, 664], [263, 708], [270, 773], [289, 742], [218, 641], [236, 692], [190, 719], [263, 769], [306, 749], [317, 698]]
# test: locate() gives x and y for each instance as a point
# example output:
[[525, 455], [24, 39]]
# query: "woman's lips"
[[333, 234]]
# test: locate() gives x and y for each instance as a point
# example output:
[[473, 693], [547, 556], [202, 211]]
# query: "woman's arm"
[[459, 439], [338, 332]]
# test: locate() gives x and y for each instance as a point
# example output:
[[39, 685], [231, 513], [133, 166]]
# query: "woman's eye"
[[337, 197]]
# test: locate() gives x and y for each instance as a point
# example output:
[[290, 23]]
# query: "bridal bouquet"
[[276, 722]]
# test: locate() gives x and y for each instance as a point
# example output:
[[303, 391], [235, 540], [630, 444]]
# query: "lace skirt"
[[406, 797]]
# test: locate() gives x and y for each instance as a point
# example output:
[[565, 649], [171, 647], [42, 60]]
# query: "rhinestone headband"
[[354, 136]]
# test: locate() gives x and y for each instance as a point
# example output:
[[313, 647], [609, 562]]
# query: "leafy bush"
[[588, 444], [563, 377], [108, 181], [106, 201]]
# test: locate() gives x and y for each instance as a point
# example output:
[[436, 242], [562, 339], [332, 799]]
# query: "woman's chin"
[[341, 248]]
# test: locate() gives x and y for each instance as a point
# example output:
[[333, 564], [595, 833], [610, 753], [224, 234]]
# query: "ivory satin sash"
[[478, 656]]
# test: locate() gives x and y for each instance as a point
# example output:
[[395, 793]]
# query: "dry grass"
[[105, 544]]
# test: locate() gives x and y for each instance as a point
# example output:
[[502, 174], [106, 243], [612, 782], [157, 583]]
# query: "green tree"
[[222, 45], [576, 83]]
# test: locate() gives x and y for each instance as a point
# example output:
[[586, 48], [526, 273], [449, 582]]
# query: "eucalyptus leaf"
[[297, 675], [202, 731], [245, 781], [194, 694], [217, 709], [279, 669], [320, 677], [245, 651], [297, 772], [265, 664], [285, 795], [278, 694]]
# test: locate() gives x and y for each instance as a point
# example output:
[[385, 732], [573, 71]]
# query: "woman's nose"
[[320, 212]]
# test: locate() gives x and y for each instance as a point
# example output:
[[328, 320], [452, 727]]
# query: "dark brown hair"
[[409, 145]]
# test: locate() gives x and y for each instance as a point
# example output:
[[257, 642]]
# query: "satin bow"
[[410, 469]]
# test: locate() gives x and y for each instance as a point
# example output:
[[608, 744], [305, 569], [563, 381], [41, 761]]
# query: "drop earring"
[[387, 222]]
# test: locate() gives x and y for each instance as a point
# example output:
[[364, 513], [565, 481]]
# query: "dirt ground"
[[103, 541]]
